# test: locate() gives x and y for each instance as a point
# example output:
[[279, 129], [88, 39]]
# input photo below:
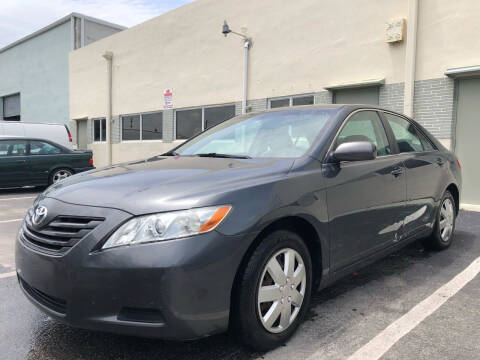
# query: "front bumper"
[[178, 289]]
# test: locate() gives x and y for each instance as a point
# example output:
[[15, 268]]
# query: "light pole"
[[247, 43]]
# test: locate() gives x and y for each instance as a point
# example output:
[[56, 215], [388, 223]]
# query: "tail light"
[[68, 133], [458, 163], [91, 161]]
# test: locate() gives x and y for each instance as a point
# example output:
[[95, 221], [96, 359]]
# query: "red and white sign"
[[168, 99]]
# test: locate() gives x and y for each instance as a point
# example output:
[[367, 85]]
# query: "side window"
[[13, 148], [405, 134], [427, 145], [365, 126], [43, 148]]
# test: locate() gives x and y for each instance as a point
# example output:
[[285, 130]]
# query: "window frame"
[[290, 98], [141, 127], [394, 139], [203, 117], [29, 146], [101, 132], [393, 145]]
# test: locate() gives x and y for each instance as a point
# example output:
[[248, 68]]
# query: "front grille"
[[56, 304], [60, 234]]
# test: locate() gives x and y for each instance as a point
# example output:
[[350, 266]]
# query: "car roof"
[[345, 107]]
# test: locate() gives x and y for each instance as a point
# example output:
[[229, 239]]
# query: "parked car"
[[57, 133], [37, 162], [236, 227]]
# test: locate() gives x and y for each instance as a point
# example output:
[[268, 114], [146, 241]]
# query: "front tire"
[[444, 228], [273, 292]]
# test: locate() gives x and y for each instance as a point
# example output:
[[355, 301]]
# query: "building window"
[[291, 101], [11, 107], [142, 127], [99, 129], [189, 123]]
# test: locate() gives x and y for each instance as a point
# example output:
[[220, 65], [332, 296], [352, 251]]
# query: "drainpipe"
[[246, 46], [410, 57], [109, 57]]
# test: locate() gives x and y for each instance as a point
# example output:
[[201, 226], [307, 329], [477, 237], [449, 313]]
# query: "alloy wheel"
[[447, 218], [281, 290], [60, 175]]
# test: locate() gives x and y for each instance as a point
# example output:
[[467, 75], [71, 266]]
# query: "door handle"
[[397, 171], [440, 161], [21, 161]]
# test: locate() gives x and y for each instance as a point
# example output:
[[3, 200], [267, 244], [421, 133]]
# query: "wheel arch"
[[301, 226], [453, 189]]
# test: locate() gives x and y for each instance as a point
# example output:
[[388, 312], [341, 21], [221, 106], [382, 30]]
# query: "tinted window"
[[131, 127], [13, 148], [279, 103], [99, 129], [43, 148], [427, 145], [302, 100], [216, 115], [276, 134], [405, 134], [188, 123], [365, 126], [152, 126]]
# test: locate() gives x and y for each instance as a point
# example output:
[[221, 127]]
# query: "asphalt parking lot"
[[356, 316]]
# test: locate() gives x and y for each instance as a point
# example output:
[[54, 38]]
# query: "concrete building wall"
[[38, 70], [299, 47], [37, 66]]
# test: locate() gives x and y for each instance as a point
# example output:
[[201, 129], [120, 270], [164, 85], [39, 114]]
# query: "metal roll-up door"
[[362, 95], [467, 138]]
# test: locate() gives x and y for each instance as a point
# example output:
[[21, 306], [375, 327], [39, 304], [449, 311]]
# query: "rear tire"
[[267, 308], [58, 175], [444, 228]]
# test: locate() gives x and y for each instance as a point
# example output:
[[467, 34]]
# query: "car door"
[[13, 163], [44, 156], [424, 167], [365, 198]]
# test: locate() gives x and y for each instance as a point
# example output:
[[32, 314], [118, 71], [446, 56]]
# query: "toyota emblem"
[[39, 215]]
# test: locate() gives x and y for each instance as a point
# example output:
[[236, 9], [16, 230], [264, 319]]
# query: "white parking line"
[[9, 274], [18, 198], [12, 220], [381, 343]]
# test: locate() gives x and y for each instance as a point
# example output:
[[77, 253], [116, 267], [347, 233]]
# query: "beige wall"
[[299, 47], [448, 36]]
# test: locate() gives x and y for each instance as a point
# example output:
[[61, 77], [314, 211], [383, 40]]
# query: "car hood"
[[166, 183]]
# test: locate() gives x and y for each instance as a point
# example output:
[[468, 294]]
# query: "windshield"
[[279, 134]]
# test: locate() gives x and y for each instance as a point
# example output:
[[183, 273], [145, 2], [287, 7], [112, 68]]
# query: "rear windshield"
[[280, 134]]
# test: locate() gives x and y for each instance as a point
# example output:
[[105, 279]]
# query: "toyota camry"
[[235, 228]]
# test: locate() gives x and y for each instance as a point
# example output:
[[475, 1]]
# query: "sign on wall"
[[168, 99]]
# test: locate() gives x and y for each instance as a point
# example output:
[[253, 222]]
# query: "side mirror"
[[354, 151]]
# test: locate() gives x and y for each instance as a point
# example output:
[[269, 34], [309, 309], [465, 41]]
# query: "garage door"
[[468, 138], [366, 95]]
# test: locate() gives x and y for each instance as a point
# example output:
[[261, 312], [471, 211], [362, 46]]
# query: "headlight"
[[165, 226]]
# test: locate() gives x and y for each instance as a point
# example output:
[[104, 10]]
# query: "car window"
[[405, 133], [43, 148], [365, 126], [426, 143], [277, 134], [13, 148]]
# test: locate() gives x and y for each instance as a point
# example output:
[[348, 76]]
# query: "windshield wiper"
[[218, 155], [171, 153]]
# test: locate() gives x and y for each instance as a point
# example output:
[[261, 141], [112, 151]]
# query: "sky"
[[19, 18]]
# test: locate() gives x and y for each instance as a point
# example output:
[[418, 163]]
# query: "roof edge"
[[57, 23]]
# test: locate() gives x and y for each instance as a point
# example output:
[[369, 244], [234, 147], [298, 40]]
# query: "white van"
[[57, 133]]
